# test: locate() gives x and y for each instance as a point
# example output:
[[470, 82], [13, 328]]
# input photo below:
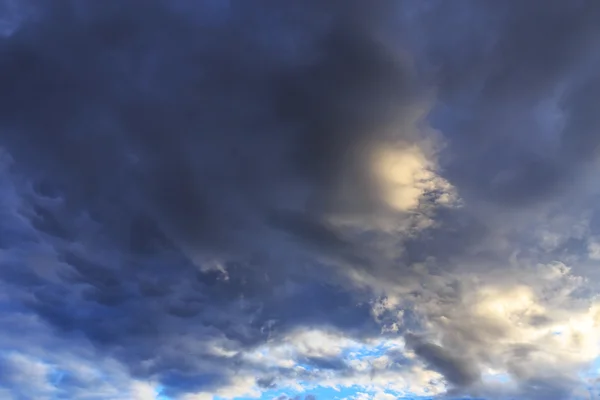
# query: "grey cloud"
[[298, 397], [327, 363], [194, 137], [507, 75], [556, 388], [147, 141], [142, 122], [456, 368], [174, 168], [267, 383], [17, 372], [285, 397]]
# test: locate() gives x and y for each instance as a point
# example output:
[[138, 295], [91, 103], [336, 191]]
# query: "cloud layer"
[[237, 199]]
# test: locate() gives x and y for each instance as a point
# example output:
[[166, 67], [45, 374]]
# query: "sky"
[[299, 200]]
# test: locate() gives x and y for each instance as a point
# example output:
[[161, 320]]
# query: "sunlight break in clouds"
[[347, 200], [406, 175]]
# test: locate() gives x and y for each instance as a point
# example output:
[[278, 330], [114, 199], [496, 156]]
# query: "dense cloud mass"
[[299, 200]]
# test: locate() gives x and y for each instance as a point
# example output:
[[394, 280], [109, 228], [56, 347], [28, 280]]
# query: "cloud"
[[457, 371], [142, 166], [227, 199], [508, 100]]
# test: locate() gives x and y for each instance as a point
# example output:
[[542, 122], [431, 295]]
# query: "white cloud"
[[405, 174], [241, 386]]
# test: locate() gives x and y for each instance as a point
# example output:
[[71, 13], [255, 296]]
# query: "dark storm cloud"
[[516, 85], [196, 124], [514, 81], [458, 370], [167, 167], [148, 139]]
